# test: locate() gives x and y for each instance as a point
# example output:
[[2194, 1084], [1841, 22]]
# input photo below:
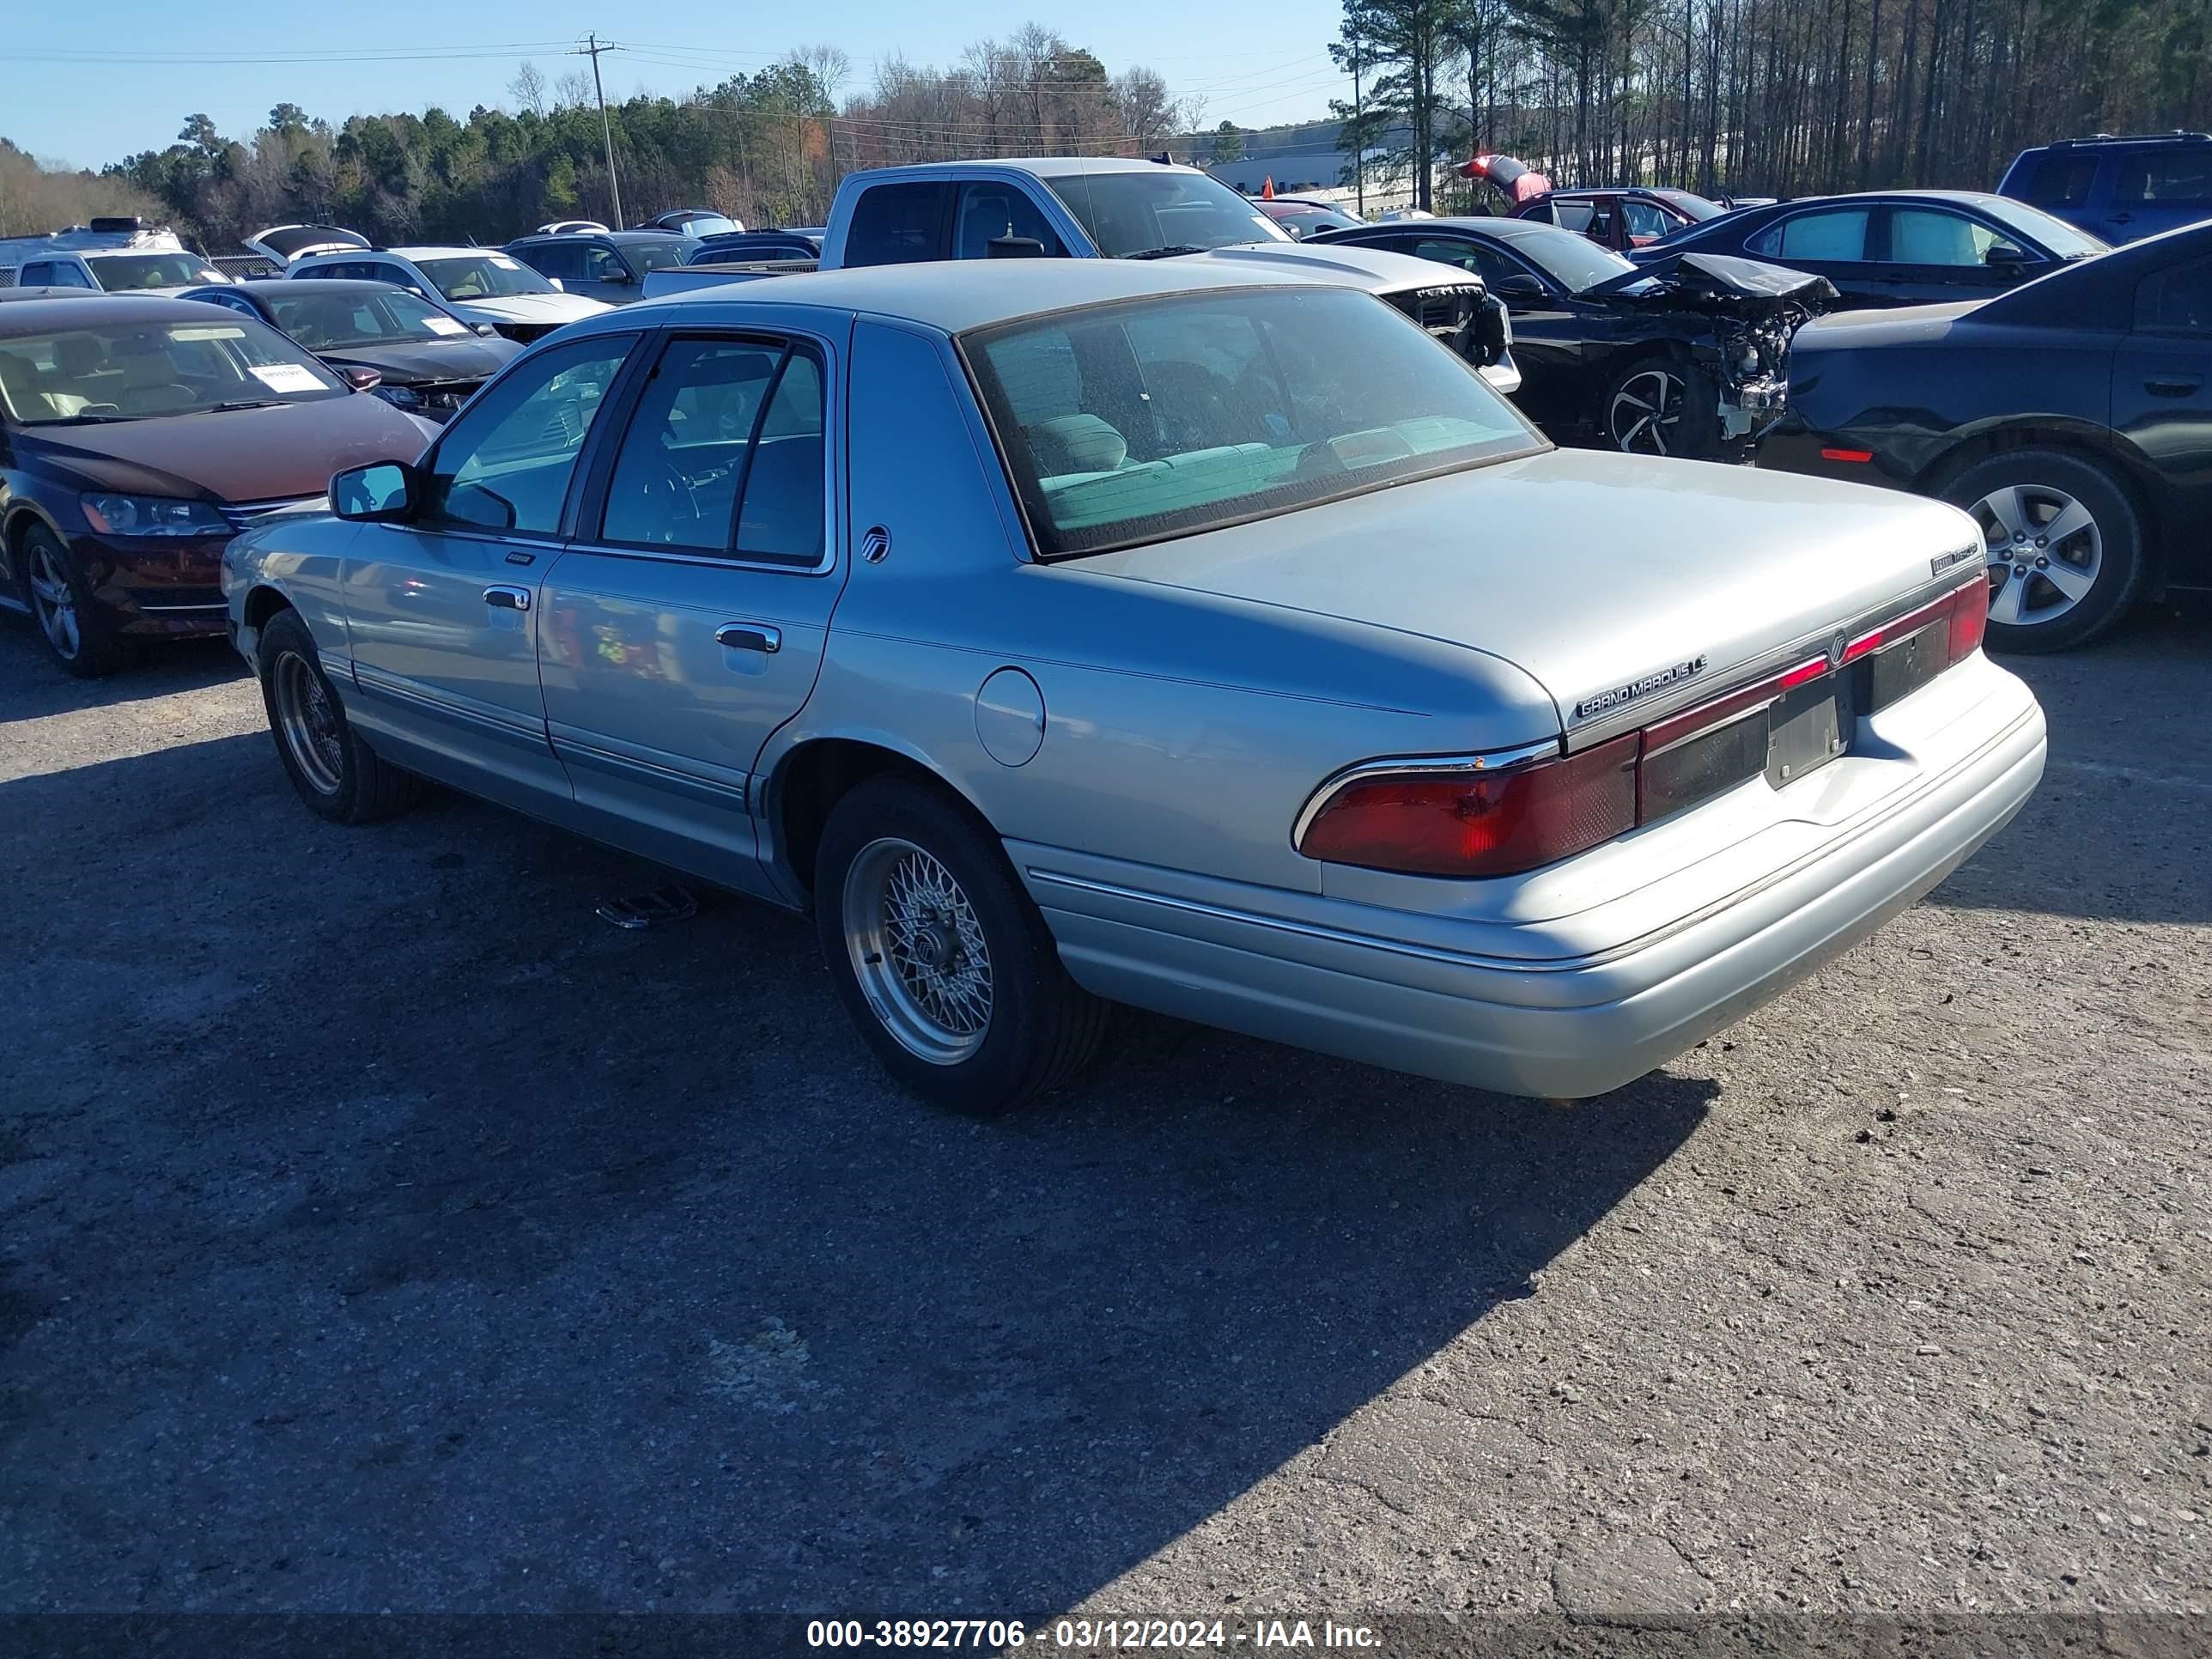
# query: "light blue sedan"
[[1060, 633]]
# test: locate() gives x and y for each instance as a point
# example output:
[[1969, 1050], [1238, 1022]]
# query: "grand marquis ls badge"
[[1620, 696]]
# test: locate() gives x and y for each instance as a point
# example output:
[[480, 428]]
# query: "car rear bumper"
[[1323, 974]]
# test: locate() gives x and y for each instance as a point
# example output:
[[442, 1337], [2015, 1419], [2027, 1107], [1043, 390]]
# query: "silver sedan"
[[1064, 632]]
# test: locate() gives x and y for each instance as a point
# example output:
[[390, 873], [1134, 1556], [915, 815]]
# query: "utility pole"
[[1360, 136], [592, 50]]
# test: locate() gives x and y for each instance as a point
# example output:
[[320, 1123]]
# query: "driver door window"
[[1646, 223], [506, 464]]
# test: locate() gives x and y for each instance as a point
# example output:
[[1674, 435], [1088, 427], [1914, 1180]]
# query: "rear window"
[[1136, 422], [119, 273], [896, 224]]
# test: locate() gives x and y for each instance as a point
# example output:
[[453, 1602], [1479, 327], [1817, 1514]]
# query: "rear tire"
[[2063, 543], [338, 776], [940, 958], [78, 635]]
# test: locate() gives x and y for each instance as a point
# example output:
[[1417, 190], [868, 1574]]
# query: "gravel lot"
[[378, 1229]]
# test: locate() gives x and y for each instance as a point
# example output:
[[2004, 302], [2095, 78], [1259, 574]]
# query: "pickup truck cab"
[[1112, 208], [161, 271]]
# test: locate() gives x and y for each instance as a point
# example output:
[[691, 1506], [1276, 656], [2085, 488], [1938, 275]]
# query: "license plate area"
[[1809, 727]]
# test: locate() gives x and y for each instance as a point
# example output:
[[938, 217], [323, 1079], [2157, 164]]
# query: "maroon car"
[[1621, 219], [137, 437]]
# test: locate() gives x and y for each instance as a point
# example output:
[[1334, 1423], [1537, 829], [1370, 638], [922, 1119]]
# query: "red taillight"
[[1970, 616], [1853, 455], [1479, 823], [1464, 821]]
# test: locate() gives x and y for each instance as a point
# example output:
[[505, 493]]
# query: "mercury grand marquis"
[[1064, 632]]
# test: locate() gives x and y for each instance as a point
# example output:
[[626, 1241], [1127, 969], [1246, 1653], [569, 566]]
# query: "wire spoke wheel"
[[53, 600], [1646, 414], [2044, 550], [308, 721], [918, 950]]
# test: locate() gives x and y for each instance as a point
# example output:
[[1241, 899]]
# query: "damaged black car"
[[1686, 354]]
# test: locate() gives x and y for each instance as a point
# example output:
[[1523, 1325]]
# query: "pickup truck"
[[1111, 208]]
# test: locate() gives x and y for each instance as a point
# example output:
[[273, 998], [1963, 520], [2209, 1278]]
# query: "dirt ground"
[[378, 1229]]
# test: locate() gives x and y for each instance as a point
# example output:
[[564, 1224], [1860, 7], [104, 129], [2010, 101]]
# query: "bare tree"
[[528, 89]]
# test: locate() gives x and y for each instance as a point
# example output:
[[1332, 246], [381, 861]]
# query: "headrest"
[[1075, 443]]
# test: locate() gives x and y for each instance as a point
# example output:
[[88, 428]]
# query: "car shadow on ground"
[[32, 684], [432, 1244]]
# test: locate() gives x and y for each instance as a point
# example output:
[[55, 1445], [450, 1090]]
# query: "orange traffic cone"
[[1267, 188]]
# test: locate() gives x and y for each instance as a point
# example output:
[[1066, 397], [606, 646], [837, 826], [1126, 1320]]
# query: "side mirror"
[[1519, 286], [618, 276], [385, 493], [2005, 253], [360, 377], [556, 281], [1016, 247]]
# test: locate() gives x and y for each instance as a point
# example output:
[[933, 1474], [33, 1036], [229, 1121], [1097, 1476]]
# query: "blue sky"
[[100, 79]]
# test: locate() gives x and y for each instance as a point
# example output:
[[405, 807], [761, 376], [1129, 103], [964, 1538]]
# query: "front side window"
[[658, 256], [142, 371], [2067, 242], [482, 277], [1144, 216], [506, 463], [1840, 236], [1135, 422], [1645, 220], [725, 455], [991, 210]]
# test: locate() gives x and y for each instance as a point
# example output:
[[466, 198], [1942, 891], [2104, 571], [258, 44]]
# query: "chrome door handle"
[[750, 637], [508, 599]]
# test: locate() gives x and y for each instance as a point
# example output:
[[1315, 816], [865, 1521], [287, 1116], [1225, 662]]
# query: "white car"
[[478, 284]]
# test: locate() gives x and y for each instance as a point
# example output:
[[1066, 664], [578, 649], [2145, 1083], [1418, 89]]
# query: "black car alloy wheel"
[[1644, 415], [2063, 541]]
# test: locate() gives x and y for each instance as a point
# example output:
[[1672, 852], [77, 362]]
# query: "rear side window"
[[896, 224], [1840, 236], [2167, 177], [725, 452], [1573, 215], [2062, 180], [2177, 300]]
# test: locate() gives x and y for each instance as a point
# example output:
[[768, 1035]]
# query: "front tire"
[[76, 633], [1661, 406], [2063, 541], [940, 958], [339, 776]]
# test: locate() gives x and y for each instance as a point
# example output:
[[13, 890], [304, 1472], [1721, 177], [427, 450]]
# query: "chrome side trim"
[[476, 717], [1309, 929], [571, 747], [1496, 760], [183, 609]]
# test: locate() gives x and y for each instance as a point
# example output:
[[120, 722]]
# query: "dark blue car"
[[2120, 189]]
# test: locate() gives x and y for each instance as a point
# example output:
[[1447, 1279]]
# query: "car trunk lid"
[[1624, 586]]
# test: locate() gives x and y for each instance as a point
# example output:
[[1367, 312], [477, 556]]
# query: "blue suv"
[[2120, 189]]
